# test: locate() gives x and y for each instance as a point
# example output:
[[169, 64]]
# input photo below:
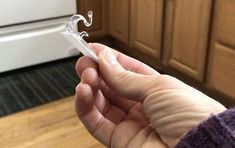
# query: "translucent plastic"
[[76, 38]]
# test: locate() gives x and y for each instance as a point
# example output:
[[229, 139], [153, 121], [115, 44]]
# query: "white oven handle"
[[31, 32]]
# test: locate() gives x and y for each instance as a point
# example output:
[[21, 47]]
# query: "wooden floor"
[[54, 125]]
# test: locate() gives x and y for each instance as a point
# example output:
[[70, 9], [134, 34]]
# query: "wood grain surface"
[[50, 125]]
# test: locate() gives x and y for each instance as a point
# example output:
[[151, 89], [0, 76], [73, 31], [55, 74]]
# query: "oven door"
[[21, 11], [33, 43]]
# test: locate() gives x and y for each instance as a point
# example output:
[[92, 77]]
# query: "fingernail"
[[76, 89], [109, 56]]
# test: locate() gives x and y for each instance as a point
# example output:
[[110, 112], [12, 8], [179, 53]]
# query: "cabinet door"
[[119, 20], [221, 69], [146, 26], [99, 8], [186, 35]]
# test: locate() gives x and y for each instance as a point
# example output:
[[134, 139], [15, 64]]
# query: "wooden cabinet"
[[221, 69], [119, 20], [99, 26], [186, 35], [146, 26], [173, 36]]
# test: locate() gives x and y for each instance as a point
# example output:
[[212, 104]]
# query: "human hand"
[[124, 103], [109, 116]]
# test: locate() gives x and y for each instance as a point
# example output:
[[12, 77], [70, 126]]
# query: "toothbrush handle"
[[81, 45], [90, 52]]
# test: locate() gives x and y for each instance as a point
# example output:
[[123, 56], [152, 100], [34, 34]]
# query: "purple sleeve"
[[216, 132]]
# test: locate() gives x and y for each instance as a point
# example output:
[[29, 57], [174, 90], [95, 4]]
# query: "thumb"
[[123, 82]]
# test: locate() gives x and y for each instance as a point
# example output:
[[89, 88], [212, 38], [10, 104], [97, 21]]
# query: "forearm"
[[216, 131]]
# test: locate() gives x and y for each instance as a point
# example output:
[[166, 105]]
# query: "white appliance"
[[30, 32]]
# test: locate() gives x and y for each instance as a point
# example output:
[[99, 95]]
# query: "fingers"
[[83, 63], [90, 76], [84, 101], [87, 70], [100, 127], [122, 103], [127, 62], [123, 82]]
